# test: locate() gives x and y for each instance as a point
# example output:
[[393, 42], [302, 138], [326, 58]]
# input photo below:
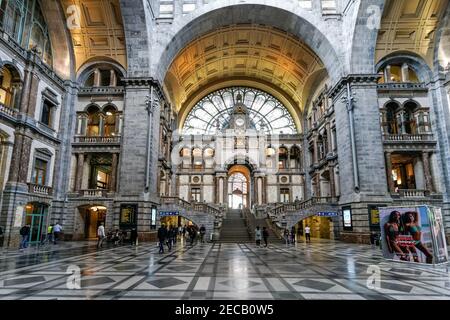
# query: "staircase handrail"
[[301, 205], [195, 206]]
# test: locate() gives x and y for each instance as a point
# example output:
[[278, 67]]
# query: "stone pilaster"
[[427, 171]]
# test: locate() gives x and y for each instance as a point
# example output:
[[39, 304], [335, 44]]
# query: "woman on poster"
[[412, 227], [392, 230]]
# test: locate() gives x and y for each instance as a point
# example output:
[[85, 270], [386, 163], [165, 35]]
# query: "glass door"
[[36, 214]]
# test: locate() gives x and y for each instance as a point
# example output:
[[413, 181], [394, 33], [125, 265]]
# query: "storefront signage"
[[168, 213], [326, 214]]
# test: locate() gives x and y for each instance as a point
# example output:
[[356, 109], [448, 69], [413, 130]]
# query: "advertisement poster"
[[413, 234], [19, 216]]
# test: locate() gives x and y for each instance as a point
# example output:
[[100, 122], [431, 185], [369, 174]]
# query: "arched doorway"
[[36, 218], [239, 187], [91, 217]]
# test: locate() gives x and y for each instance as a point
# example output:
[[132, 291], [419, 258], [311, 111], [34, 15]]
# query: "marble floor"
[[321, 270]]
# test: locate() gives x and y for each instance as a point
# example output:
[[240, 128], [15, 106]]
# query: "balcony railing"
[[101, 90], [8, 111], [94, 193], [408, 137], [402, 86], [98, 140], [39, 190], [296, 206], [411, 193], [195, 206]]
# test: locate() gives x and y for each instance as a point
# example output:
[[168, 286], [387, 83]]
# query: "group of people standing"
[[261, 235], [168, 236], [117, 237], [290, 236]]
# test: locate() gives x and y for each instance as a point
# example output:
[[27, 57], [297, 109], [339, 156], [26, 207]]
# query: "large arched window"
[[24, 22], [213, 112], [109, 126], [10, 87], [93, 127]]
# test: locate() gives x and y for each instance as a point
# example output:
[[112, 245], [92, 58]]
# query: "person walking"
[[162, 235], [258, 236], [293, 233], [56, 232], [265, 235], [25, 233], [286, 236], [133, 237], [202, 233], [192, 234], [308, 233], [170, 235], [49, 236], [101, 235]]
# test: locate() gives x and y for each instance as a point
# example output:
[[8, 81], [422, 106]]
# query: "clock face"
[[239, 122]]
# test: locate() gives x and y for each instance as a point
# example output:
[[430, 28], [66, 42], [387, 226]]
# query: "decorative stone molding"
[[361, 79]]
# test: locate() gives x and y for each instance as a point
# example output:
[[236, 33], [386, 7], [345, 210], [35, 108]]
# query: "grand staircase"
[[234, 229]]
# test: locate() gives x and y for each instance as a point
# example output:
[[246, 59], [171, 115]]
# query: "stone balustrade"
[[98, 140], [39, 190], [8, 111]]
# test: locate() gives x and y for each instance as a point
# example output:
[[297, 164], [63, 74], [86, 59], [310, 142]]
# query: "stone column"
[[21, 157], [387, 74], [405, 73], [79, 176], [113, 181], [97, 78], [358, 93], [329, 139], [427, 171], [101, 125], [402, 120], [113, 79], [316, 151], [332, 183], [391, 185]]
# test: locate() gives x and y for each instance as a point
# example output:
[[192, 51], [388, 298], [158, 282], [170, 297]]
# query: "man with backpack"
[[25, 233]]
